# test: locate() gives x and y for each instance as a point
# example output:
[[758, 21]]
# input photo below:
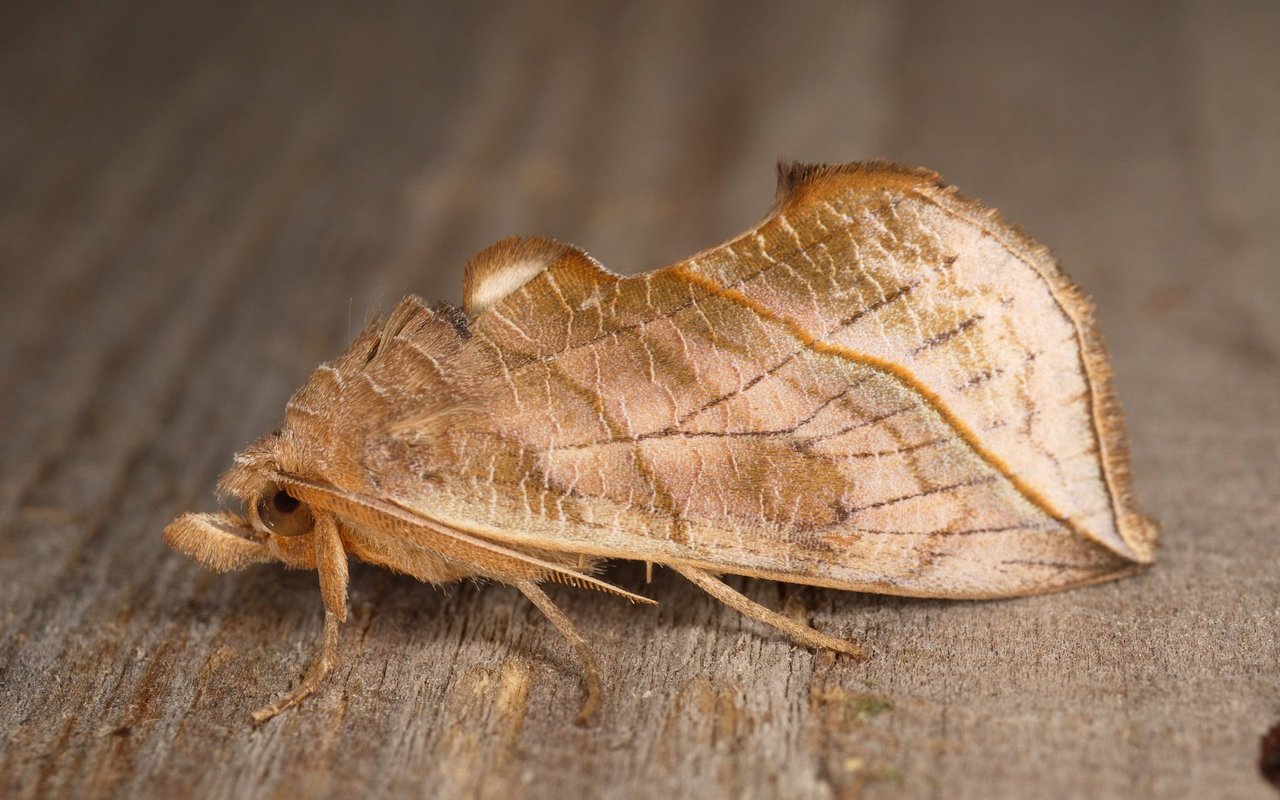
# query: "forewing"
[[880, 387]]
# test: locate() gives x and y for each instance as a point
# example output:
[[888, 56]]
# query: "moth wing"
[[881, 386]]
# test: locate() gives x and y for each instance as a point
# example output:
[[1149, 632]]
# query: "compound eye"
[[283, 514]]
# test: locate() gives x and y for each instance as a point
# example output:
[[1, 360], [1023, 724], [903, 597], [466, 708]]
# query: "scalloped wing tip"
[[797, 178]]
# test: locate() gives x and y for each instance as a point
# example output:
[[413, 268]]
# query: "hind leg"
[[750, 608]]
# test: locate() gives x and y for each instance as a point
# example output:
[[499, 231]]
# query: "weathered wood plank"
[[197, 199]]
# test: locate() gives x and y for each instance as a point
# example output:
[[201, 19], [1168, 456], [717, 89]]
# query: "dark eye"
[[283, 514]]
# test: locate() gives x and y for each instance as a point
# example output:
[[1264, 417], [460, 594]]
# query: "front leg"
[[331, 564], [315, 672]]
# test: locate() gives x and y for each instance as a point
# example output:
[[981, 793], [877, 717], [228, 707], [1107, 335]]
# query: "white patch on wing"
[[495, 286]]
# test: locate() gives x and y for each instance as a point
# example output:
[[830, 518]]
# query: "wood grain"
[[200, 201]]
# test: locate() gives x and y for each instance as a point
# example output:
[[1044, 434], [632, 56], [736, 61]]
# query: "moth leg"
[[315, 673], [739, 602], [566, 627], [331, 564]]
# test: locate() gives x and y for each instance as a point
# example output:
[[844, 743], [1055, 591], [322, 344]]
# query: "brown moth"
[[882, 387]]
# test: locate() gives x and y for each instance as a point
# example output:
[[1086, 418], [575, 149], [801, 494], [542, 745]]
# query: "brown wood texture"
[[199, 202]]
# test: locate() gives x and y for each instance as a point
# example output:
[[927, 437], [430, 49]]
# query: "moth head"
[[389, 380], [285, 524], [276, 526]]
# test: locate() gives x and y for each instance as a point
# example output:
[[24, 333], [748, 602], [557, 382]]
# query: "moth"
[[881, 387]]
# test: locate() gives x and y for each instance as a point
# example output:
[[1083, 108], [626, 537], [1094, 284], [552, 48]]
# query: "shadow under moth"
[[881, 387]]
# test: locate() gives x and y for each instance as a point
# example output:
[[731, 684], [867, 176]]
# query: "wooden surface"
[[198, 202]]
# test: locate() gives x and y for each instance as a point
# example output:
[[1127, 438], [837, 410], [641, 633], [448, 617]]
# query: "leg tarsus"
[[319, 666], [739, 602], [569, 631]]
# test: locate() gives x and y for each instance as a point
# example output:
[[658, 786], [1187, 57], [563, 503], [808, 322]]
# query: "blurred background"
[[200, 201]]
